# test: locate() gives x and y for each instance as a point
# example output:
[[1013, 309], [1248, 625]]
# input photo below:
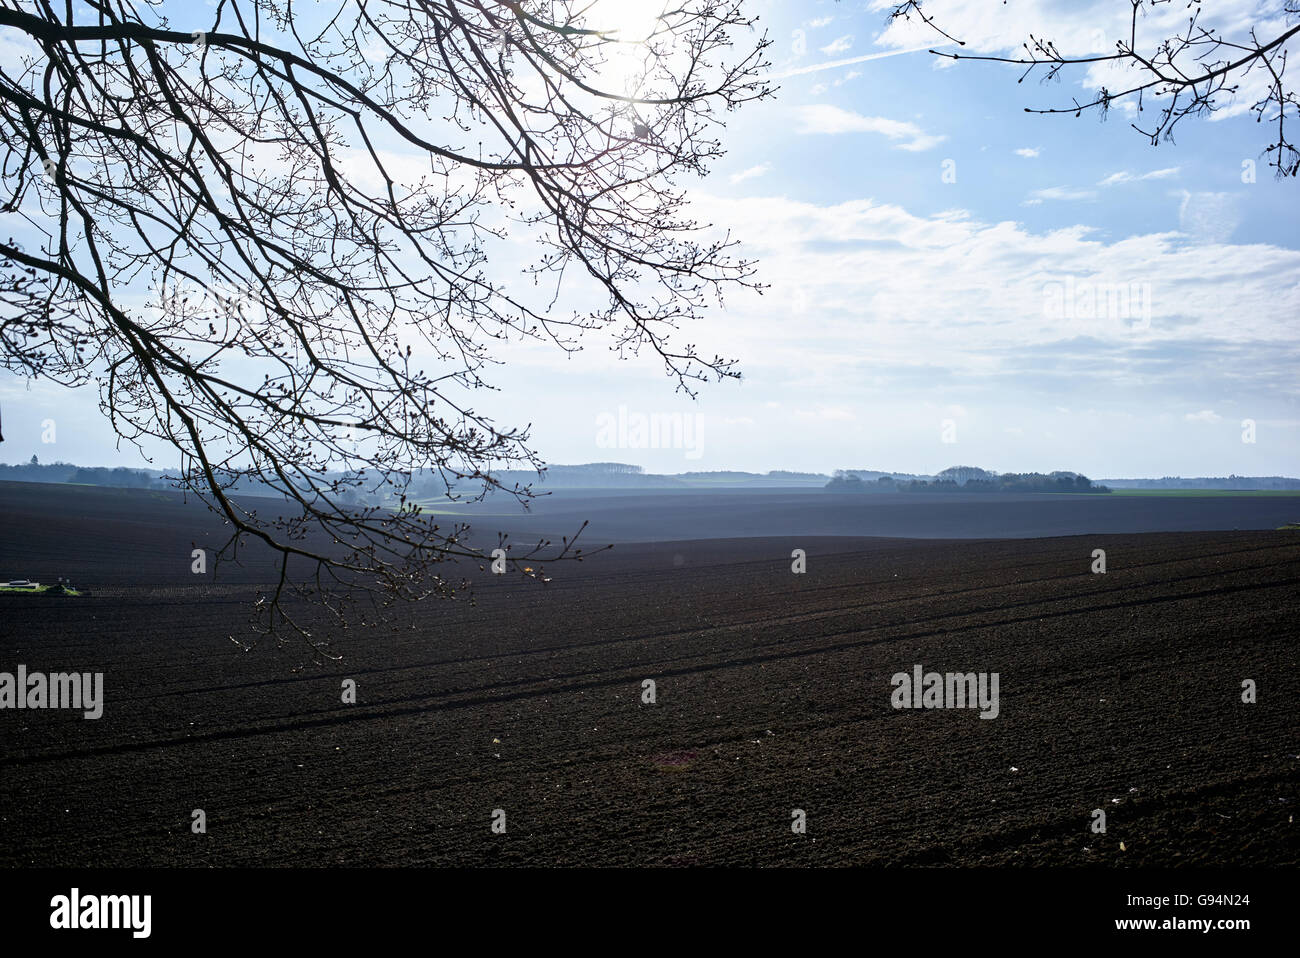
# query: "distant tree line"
[[872, 475], [1209, 482], [787, 474], [600, 475], [354, 489], [588, 475], [36, 471], [967, 479]]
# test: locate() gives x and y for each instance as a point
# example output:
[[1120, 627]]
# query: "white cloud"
[[1124, 176], [824, 118], [751, 173], [834, 64], [897, 301], [1027, 152], [819, 22], [1205, 416], [1061, 193], [1209, 217], [838, 45]]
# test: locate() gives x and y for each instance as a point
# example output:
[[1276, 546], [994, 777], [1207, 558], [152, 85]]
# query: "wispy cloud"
[[1205, 415], [838, 45], [1209, 217], [751, 173], [1124, 176], [862, 270], [819, 22], [832, 64], [1060, 193], [1028, 152], [828, 119]]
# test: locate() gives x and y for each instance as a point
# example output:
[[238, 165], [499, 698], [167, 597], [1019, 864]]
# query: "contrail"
[[832, 64]]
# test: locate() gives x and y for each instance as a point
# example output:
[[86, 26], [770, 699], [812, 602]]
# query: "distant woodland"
[[615, 475]]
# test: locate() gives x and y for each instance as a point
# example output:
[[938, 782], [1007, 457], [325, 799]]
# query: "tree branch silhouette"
[[217, 221], [1183, 75]]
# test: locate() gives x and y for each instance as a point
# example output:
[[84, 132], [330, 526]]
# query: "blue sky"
[[921, 236]]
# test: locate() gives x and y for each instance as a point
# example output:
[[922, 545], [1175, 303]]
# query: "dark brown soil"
[[1119, 691]]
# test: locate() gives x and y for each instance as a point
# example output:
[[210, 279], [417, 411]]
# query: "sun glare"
[[631, 23]]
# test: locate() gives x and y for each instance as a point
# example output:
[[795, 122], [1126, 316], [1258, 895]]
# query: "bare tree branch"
[[218, 222], [1187, 74]]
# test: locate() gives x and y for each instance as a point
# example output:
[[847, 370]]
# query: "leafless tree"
[[209, 213], [1187, 74]]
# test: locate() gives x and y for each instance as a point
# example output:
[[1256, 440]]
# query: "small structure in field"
[[62, 587]]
